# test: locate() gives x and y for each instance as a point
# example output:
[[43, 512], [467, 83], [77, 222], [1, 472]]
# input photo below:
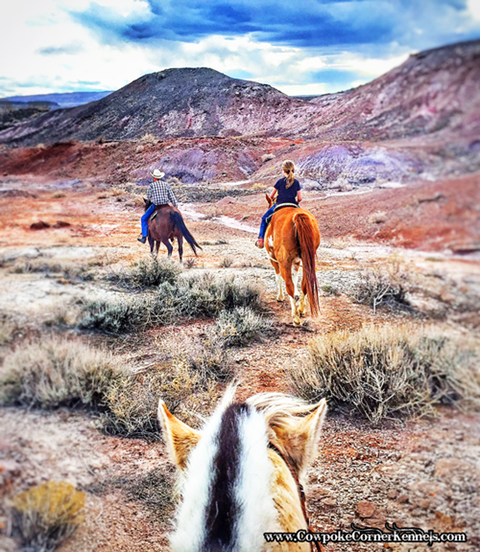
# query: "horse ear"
[[299, 437], [145, 200], [269, 200], [310, 427], [179, 437]]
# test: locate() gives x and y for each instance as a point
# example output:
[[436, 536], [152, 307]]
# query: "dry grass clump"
[[7, 328], [67, 269], [46, 515], [58, 371], [188, 298], [226, 262], [155, 489], [186, 380], [383, 286], [383, 371], [240, 326], [378, 217], [147, 273]]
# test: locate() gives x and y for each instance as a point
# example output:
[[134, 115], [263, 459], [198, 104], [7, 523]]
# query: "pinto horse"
[[165, 224], [291, 240], [243, 473]]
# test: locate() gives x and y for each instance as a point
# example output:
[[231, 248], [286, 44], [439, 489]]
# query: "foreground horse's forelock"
[[235, 486]]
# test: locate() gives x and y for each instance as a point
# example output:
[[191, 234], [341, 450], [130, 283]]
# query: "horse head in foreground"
[[243, 473], [291, 240], [166, 224]]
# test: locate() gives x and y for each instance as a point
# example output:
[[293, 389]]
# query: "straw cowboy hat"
[[157, 174]]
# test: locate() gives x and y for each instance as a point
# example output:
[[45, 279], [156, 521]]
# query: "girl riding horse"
[[287, 190]]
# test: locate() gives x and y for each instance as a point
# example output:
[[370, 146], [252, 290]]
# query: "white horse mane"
[[237, 435]]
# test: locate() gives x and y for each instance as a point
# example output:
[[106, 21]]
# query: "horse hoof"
[[280, 299], [297, 297], [296, 321]]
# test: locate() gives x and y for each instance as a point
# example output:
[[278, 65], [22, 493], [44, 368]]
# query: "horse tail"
[[305, 237], [177, 220]]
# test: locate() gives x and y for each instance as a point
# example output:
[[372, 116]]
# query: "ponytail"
[[289, 168]]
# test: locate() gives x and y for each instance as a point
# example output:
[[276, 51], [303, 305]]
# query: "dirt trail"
[[421, 473]]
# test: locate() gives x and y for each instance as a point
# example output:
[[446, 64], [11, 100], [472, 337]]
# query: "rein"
[[314, 545]]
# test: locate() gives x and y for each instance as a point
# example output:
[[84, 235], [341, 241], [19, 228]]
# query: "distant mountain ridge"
[[434, 93], [66, 99]]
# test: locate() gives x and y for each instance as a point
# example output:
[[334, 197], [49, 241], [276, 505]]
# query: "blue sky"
[[300, 47]]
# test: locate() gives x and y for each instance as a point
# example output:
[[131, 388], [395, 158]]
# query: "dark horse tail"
[[307, 247], [177, 220]]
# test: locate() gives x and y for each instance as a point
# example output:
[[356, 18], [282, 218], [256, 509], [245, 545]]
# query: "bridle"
[[314, 545]]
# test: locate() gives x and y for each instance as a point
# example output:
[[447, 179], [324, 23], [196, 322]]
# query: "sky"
[[301, 47]]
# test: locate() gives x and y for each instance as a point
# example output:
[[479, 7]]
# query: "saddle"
[[281, 206]]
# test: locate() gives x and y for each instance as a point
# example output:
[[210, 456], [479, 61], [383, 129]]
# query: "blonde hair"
[[289, 168]]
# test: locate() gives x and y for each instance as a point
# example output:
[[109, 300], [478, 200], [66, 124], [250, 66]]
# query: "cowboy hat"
[[157, 174]]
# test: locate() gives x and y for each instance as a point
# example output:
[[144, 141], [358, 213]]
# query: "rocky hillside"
[[432, 92], [171, 103]]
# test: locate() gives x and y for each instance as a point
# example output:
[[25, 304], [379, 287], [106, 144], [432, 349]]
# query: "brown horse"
[[291, 240], [166, 224]]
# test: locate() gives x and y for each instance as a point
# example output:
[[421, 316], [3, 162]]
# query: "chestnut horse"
[[243, 474], [165, 224], [291, 240]]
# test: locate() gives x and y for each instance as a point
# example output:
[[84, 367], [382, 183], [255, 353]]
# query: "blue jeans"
[[145, 218], [263, 225]]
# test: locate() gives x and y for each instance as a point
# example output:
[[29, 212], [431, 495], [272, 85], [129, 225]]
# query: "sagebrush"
[[379, 372], [46, 515], [191, 297], [57, 371]]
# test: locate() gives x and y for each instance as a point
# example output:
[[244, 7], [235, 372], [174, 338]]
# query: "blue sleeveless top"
[[287, 195]]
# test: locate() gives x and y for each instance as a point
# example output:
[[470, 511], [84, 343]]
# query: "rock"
[[448, 467], [8, 471], [61, 224], [366, 509], [40, 225]]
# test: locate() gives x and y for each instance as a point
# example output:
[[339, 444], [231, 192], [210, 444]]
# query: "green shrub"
[[382, 371]]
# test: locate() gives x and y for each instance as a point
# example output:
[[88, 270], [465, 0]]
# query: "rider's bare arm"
[[299, 196], [273, 195]]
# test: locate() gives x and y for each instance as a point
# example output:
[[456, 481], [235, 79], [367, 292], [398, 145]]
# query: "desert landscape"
[[94, 331]]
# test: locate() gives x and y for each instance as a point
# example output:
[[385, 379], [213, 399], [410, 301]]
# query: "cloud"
[[306, 24], [69, 49], [303, 47]]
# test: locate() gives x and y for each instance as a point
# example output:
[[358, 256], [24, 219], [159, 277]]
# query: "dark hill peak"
[[171, 103]]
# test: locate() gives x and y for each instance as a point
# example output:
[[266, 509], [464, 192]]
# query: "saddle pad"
[[278, 207]]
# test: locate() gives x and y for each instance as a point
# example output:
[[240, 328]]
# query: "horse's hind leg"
[[168, 245], [278, 278], [286, 272], [300, 293], [180, 247]]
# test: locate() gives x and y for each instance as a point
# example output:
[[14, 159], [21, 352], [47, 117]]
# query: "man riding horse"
[[162, 222], [159, 193]]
